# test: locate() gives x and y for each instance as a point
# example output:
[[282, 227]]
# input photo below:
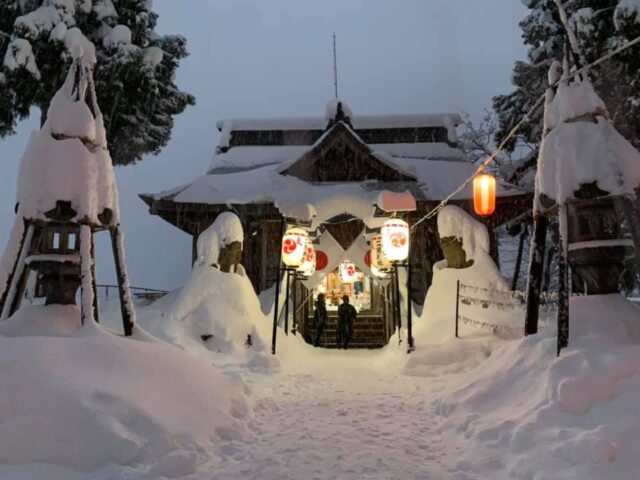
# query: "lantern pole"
[[397, 306], [409, 309], [277, 299], [286, 302]]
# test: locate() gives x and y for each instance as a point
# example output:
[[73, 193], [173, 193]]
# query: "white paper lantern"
[[348, 273], [308, 266], [294, 245], [395, 240]]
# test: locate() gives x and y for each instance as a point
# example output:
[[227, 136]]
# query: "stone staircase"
[[368, 332]]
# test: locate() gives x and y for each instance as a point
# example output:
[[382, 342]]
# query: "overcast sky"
[[274, 59]]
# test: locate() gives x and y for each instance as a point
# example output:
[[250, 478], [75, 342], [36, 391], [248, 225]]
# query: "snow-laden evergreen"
[[134, 75]]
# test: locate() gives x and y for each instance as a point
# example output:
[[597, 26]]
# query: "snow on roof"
[[358, 122], [436, 179], [242, 158]]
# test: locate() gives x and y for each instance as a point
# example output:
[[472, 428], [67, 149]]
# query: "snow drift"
[[531, 415], [84, 398]]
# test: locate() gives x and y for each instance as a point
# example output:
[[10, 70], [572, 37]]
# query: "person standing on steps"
[[319, 318], [346, 317]]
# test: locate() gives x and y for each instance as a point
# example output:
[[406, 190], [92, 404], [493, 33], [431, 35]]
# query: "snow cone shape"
[[66, 193]]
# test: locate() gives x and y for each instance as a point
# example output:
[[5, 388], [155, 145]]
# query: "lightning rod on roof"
[[335, 67]]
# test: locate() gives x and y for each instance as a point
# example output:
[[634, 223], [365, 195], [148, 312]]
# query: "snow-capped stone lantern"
[[587, 176], [66, 193]]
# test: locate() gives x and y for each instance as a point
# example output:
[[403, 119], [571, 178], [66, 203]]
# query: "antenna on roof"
[[335, 67]]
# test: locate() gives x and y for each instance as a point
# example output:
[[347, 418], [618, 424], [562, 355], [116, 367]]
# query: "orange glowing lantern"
[[484, 194]]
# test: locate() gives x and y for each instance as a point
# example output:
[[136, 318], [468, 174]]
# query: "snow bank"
[[215, 311], [531, 415], [84, 398]]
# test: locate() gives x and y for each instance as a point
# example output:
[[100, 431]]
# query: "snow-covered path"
[[354, 424]]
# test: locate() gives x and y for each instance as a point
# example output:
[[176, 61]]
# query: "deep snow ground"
[[342, 419]]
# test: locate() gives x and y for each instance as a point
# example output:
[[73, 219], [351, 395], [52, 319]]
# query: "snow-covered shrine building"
[[334, 167]]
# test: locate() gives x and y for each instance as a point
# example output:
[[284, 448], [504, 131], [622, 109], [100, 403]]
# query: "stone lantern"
[[66, 194]]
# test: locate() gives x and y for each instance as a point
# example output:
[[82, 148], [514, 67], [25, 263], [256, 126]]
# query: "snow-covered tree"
[[134, 73], [601, 26]]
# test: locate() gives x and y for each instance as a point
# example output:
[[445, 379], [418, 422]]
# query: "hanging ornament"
[[395, 240], [294, 245], [378, 260], [484, 194], [308, 266], [348, 273]]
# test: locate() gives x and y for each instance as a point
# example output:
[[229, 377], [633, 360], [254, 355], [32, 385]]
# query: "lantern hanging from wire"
[[395, 240], [308, 266], [484, 194], [294, 244], [348, 273]]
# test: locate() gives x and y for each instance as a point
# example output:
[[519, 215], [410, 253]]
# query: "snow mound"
[[214, 312], [574, 415], [228, 229], [90, 398], [49, 321]]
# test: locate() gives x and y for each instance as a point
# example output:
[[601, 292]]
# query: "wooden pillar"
[[12, 296], [563, 299], [516, 272], [632, 214], [123, 290], [96, 315], [534, 282]]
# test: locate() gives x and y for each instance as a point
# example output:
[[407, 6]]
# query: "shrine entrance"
[[372, 297]]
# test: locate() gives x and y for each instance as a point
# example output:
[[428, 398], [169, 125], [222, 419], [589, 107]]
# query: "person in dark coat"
[[346, 317], [319, 318]]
